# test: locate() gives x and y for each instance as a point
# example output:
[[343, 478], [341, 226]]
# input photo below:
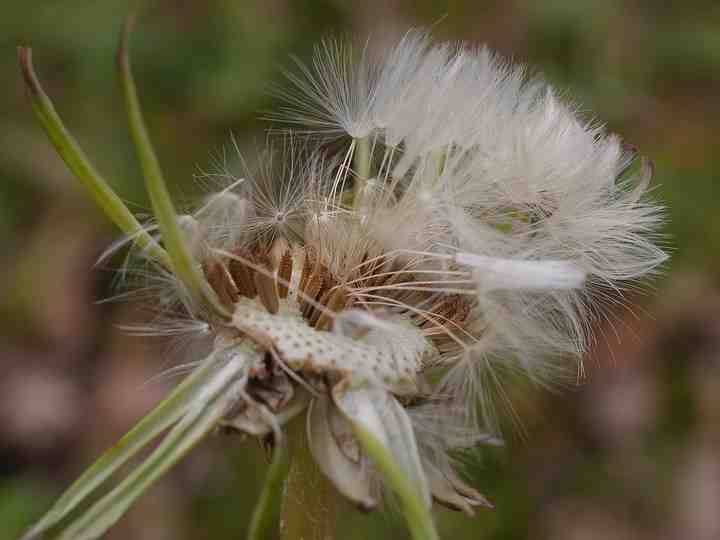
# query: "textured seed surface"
[[392, 360]]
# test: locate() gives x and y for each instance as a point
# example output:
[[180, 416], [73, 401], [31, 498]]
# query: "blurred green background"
[[633, 453]]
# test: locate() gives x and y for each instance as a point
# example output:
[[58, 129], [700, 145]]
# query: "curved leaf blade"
[[78, 163], [182, 262]]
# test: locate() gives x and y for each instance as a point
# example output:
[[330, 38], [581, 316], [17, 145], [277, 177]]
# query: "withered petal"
[[351, 478], [451, 492]]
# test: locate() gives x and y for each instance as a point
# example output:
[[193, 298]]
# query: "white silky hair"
[[481, 179], [493, 171], [341, 86]]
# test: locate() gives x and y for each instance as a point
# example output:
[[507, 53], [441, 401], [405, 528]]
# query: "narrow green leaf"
[[266, 514], [75, 159], [382, 431], [204, 414], [183, 264], [169, 411]]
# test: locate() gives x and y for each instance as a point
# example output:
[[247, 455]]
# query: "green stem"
[[266, 515], [308, 506], [418, 517]]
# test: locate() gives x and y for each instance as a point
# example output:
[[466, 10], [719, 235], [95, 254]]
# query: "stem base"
[[308, 505]]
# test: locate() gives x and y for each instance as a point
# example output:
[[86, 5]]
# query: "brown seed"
[[242, 274], [336, 302], [265, 286], [285, 270], [308, 266], [312, 288], [221, 282]]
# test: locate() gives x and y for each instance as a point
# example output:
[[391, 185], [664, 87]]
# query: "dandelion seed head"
[[449, 218]]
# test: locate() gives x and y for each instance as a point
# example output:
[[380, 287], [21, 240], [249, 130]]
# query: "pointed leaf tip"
[[26, 68], [123, 58]]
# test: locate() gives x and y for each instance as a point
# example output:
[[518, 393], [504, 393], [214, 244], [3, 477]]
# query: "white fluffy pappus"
[[444, 189], [488, 177]]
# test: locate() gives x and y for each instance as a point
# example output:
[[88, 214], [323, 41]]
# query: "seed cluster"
[[285, 300], [297, 277]]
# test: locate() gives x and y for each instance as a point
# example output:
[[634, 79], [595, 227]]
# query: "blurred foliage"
[[633, 452]]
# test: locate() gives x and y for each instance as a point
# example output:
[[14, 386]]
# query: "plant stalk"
[[362, 164], [308, 505]]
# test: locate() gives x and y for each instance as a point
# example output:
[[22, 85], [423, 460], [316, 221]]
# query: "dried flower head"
[[438, 222]]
